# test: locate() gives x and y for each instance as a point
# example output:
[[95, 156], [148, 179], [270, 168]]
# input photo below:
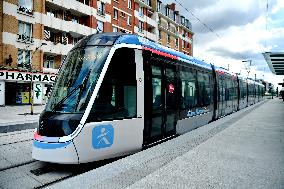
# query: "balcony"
[[56, 48], [145, 18], [144, 3], [80, 29], [67, 26], [185, 23], [101, 12], [79, 7], [151, 36], [151, 22], [167, 18], [187, 39], [139, 31], [26, 11], [50, 70], [25, 38], [73, 5]]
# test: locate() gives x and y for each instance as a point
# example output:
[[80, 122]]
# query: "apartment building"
[[174, 30], [36, 35]]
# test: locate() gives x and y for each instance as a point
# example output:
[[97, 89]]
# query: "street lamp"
[[31, 82], [248, 67]]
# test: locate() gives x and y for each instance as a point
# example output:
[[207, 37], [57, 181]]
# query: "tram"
[[117, 93]]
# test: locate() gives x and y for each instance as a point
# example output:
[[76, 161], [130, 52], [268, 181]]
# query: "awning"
[[275, 61]]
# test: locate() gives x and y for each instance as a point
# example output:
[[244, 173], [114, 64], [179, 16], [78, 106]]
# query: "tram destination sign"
[[26, 76]]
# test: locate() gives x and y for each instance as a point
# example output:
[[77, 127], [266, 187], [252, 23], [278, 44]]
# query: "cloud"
[[191, 4], [226, 53], [241, 27]]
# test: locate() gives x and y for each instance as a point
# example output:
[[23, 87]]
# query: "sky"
[[242, 30]]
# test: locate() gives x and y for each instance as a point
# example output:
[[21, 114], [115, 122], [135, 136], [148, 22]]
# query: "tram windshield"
[[77, 78]]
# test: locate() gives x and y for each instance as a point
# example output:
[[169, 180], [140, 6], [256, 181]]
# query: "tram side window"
[[116, 98], [208, 88], [235, 90], [229, 89], [188, 92], [204, 89], [242, 89], [156, 84]]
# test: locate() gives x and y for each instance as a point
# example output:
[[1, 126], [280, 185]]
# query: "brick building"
[[36, 35]]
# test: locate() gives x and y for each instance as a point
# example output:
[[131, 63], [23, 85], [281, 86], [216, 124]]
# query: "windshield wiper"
[[80, 86]]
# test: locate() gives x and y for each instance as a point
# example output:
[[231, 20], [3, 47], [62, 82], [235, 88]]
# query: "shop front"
[[17, 88]]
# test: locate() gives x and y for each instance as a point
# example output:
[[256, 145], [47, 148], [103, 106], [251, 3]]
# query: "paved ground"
[[242, 150], [14, 118]]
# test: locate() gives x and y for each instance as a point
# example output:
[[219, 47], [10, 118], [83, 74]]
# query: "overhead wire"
[[199, 20]]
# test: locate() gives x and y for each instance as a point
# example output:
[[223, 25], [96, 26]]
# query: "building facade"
[[36, 35]]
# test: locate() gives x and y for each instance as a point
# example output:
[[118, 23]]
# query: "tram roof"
[[131, 39], [160, 49]]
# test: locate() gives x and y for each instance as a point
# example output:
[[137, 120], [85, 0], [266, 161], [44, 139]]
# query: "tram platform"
[[242, 150]]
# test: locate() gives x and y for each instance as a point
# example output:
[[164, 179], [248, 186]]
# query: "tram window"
[[116, 98], [157, 101], [207, 98], [188, 81], [204, 89], [228, 89], [244, 90]]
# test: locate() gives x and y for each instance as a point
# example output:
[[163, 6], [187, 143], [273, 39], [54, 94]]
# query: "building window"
[[48, 61], [141, 11], [169, 39], [75, 40], [176, 42], [86, 2], [167, 11], [24, 59], [114, 29], [182, 44], [25, 32], [75, 19], [160, 34], [100, 26], [182, 20], [26, 6], [122, 14], [140, 26], [159, 6], [115, 14], [50, 12], [186, 23], [169, 25], [129, 20], [101, 8], [123, 31], [129, 5]]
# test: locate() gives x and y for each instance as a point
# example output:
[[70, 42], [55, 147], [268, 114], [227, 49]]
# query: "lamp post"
[[248, 67], [31, 82]]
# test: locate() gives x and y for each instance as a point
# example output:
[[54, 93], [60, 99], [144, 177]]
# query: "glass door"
[[171, 104], [160, 101]]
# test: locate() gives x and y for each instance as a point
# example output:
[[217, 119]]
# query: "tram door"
[[160, 102]]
